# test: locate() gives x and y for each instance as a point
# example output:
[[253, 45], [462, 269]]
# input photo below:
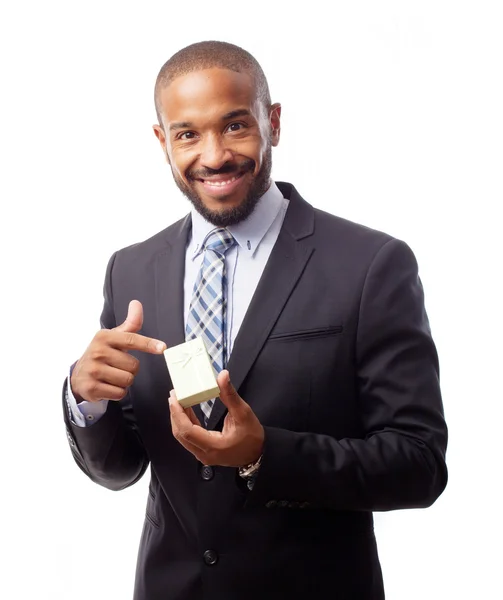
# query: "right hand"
[[106, 370]]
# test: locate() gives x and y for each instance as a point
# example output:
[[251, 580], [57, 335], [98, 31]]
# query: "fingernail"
[[160, 346]]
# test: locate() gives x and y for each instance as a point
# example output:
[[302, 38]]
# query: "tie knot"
[[219, 240]]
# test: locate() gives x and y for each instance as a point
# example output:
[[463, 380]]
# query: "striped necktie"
[[207, 311]]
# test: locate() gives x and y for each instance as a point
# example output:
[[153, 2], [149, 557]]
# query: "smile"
[[221, 186], [220, 183]]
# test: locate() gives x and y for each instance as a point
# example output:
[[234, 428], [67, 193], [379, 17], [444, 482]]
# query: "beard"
[[236, 214]]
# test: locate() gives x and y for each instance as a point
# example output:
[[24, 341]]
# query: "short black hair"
[[206, 55]]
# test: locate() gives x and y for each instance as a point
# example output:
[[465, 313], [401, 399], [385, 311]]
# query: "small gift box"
[[191, 372]]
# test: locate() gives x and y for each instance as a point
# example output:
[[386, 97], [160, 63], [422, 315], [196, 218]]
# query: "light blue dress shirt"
[[244, 262]]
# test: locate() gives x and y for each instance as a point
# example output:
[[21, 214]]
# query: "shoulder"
[[339, 241], [359, 242], [346, 230], [147, 250], [353, 239], [327, 230]]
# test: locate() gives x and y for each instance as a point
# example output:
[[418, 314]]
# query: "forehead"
[[207, 93]]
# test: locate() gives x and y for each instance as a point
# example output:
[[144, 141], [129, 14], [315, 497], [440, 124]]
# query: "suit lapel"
[[285, 266], [169, 283]]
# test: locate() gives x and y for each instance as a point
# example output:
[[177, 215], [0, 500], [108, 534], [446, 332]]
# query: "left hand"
[[238, 444]]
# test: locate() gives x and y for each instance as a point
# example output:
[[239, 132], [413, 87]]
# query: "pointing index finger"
[[125, 340]]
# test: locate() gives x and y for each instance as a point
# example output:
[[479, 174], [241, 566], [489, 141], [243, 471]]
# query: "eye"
[[187, 135], [235, 127]]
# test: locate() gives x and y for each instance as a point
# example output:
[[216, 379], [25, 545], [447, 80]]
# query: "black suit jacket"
[[336, 359]]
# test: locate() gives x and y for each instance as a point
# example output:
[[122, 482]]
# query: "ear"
[[275, 120], [161, 136]]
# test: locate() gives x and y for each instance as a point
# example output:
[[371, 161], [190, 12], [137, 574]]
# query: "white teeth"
[[220, 183]]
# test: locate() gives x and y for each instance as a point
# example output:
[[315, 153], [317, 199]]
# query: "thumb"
[[134, 319], [228, 393]]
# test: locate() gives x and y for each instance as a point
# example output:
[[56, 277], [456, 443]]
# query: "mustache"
[[243, 167]]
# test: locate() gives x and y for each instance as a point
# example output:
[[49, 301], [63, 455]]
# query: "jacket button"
[[207, 473], [210, 557]]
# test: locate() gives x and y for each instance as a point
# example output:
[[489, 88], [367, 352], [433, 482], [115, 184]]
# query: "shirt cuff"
[[86, 413]]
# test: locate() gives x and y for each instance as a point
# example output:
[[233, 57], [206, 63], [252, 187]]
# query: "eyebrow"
[[183, 125], [242, 112], [233, 114]]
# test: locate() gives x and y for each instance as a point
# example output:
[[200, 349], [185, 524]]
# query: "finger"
[[181, 419], [192, 448], [228, 393], [192, 416], [126, 340], [134, 319], [105, 391], [195, 451], [120, 360], [185, 430], [113, 376]]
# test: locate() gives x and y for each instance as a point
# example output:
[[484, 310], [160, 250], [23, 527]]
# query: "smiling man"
[[217, 127], [334, 410]]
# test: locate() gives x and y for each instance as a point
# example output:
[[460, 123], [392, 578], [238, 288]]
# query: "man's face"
[[217, 137]]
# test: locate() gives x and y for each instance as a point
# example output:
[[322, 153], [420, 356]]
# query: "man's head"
[[217, 127]]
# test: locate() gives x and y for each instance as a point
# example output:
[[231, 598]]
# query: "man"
[[334, 409]]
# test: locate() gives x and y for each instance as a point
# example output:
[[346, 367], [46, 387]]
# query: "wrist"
[[71, 383], [250, 470]]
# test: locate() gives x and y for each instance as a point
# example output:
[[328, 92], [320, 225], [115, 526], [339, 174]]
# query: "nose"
[[214, 152]]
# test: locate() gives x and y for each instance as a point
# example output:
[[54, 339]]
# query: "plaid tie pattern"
[[208, 306]]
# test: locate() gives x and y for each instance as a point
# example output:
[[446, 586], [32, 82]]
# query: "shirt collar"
[[249, 233]]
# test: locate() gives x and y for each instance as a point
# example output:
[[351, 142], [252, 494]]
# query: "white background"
[[392, 116]]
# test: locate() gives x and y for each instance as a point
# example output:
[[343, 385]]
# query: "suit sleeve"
[[110, 452], [400, 461]]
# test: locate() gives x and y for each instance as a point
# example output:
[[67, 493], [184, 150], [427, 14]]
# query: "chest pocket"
[[285, 371], [307, 334]]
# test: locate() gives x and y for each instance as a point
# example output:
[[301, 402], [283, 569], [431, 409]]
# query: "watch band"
[[251, 470]]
